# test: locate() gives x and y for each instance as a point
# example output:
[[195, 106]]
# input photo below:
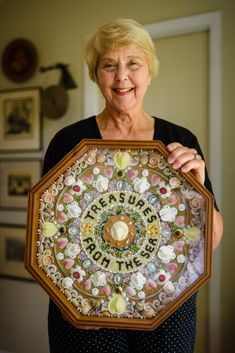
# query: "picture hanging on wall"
[[16, 178], [20, 120], [12, 248]]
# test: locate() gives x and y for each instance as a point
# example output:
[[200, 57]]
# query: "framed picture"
[[12, 249], [20, 120], [16, 178]]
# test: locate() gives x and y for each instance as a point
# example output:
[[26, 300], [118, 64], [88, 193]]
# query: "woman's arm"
[[186, 159]]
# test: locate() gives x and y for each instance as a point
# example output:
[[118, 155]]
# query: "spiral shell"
[[148, 311], [144, 160], [153, 161]]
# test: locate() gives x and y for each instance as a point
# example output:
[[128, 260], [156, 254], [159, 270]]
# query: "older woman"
[[121, 60]]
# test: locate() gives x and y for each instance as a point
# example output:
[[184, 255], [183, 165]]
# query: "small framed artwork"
[[16, 178], [12, 252], [20, 120]]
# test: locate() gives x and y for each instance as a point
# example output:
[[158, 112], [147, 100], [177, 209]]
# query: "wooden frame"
[[20, 120], [12, 249], [16, 178], [101, 194]]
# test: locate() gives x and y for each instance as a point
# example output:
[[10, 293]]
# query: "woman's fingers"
[[186, 159]]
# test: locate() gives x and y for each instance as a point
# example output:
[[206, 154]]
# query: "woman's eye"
[[109, 67], [133, 65]]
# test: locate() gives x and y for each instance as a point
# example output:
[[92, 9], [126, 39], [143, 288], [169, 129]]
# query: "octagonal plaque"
[[116, 236]]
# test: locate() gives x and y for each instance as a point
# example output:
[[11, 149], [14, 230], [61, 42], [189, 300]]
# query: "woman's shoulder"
[[168, 132], [67, 138], [81, 127]]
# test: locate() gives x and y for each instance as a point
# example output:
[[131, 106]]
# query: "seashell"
[[67, 283], [181, 259], [166, 301], [67, 293], [140, 305], [73, 230], [90, 160], [179, 245], [148, 311], [60, 207], [171, 267], [52, 268], [59, 284], [155, 179], [62, 242], [69, 180], [122, 160], [68, 263], [49, 229], [193, 234], [150, 284], [54, 279], [109, 172], [87, 284], [59, 180], [47, 260], [174, 182], [95, 291], [83, 164], [195, 203], [88, 197], [190, 194], [120, 184], [117, 305], [130, 292], [85, 306], [133, 173], [86, 263], [106, 313], [100, 158], [141, 294], [167, 171], [88, 179], [117, 278], [169, 288], [152, 199], [153, 161], [144, 160], [151, 266], [106, 289], [62, 218], [75, 302], [67, 198]]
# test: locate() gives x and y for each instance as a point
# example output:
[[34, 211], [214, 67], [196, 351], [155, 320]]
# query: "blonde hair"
[[119, 33]]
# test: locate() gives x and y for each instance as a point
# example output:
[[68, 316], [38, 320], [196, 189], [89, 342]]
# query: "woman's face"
[[123, 78]]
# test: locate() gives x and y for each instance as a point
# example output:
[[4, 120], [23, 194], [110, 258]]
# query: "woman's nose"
[[121, 73]]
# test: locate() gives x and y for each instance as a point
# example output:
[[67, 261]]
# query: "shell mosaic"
[[121, 233]]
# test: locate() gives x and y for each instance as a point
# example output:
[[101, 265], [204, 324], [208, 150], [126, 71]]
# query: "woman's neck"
[[125, 126]]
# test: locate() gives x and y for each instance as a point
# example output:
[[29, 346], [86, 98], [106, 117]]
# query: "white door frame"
[[210, 22]]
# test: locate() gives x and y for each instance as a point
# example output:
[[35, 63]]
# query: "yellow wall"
[[57, 28]]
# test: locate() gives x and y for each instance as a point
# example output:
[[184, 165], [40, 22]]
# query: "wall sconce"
[[66, 79], [55, 98]]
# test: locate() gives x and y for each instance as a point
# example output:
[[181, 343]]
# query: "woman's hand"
[[186, 159]]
